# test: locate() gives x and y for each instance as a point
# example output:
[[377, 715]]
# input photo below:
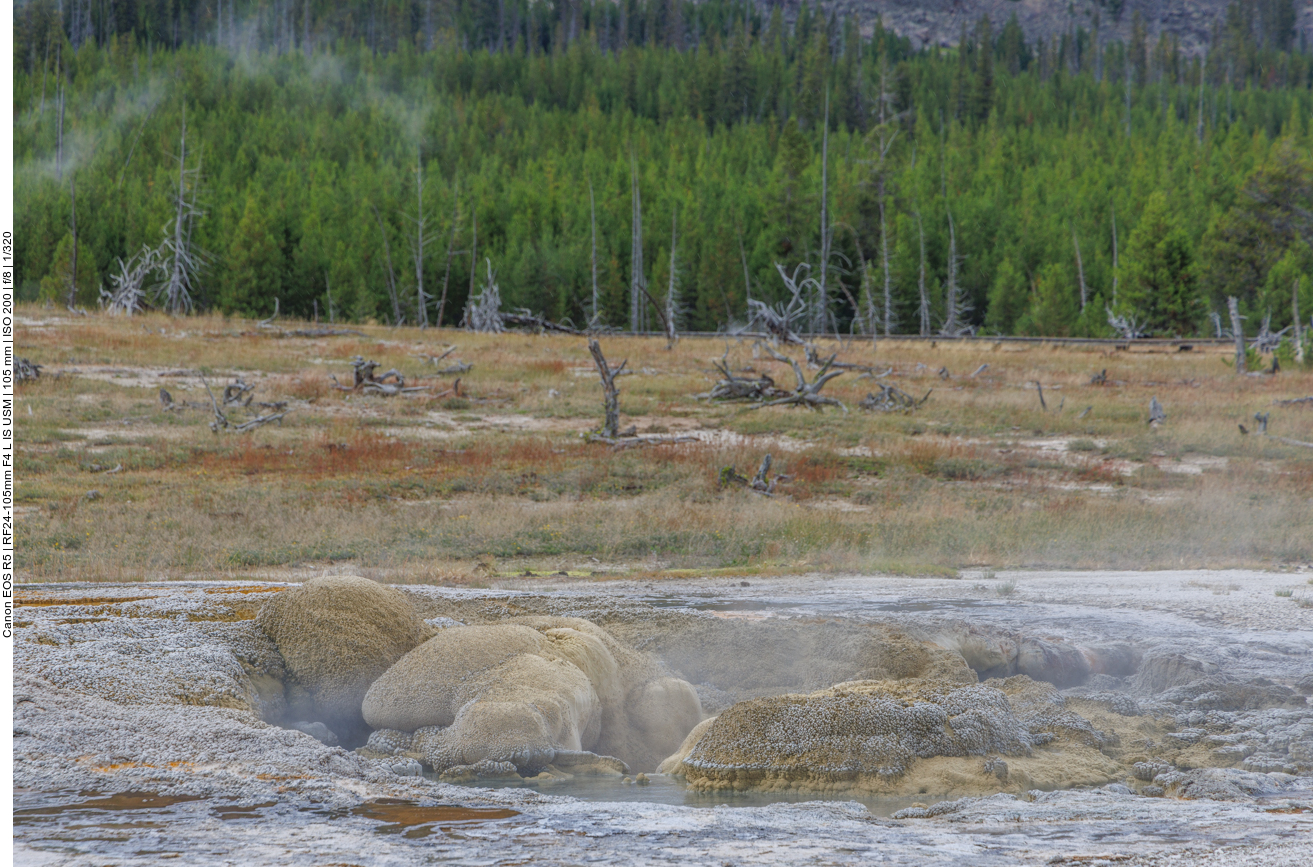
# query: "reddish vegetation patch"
[[554, 366]]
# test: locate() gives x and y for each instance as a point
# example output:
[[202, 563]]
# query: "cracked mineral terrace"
[[1021, 718]]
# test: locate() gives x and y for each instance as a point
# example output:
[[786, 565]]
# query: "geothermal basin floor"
[[111, 767]]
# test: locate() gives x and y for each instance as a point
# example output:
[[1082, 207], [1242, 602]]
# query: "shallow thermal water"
[[672, 791], [104, 782]]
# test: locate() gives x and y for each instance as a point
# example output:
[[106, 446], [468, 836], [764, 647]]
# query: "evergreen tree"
[[1160, 282]]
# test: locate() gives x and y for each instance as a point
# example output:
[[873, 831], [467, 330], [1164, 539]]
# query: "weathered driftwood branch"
[[235, 391], [25, 370], [807, 393], [232, 396], [388, 384], [629, 439], [525, 319], [781, 320], [317, 332], [732, 387], [1042, 403], [814, 360], [258, 421], [1125, 325], [1267, 340], [1100, 378], [220, 420], [761, 483], [1156, 413], [1291, 442], [892, 399], [458, 367], [1297, 401]]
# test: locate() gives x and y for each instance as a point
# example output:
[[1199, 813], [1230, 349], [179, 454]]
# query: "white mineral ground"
[[154, 688]]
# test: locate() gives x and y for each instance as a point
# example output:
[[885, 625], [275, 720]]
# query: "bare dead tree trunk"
[[823, 302], [421, 241], [1114, 254], [451, 245], [954, 306], [637, 285], [45, 68], [592, 219], [1080, 268], [672, 304], [747, 278], [950, 309], [1237, 331], [884, 255], [1199, 132], [1299, 336], [610, 394], [886, 142], [59, 123], [1127, 78], [305, 30], [73, 276], [474, 251], [391, 274], [920, 280]]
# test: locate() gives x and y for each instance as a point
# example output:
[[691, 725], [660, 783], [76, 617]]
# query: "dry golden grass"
[[498, 479]]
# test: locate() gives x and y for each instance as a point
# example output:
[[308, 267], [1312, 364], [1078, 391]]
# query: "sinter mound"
[[531, 692], [336, 636], [901, 737]]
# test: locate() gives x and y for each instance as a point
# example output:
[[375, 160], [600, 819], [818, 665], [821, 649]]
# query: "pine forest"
[[624, 164]]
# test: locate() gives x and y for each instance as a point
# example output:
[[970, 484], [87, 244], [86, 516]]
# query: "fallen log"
[[525, 319], [807, 394], [892, 399], [732, 387]]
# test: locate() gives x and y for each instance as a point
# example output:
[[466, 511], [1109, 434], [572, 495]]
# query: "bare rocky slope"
[[939, 22]]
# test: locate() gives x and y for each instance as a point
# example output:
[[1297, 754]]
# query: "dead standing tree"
[[451, 248], [956, 306], [781, 320], [397, 318], [885, 142], [610, 430], [638, 283], [672, 299], [421, 240], [1237, 331], [484, 312], [179, 261], [129, 285]]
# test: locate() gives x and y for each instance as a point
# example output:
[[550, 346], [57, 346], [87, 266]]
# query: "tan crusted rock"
[[337, 635]]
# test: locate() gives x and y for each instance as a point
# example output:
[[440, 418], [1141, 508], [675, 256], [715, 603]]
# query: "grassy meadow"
[[497, 479]]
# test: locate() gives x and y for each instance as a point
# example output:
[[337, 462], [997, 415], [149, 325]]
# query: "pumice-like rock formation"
[[336, 635], [530, 692]]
